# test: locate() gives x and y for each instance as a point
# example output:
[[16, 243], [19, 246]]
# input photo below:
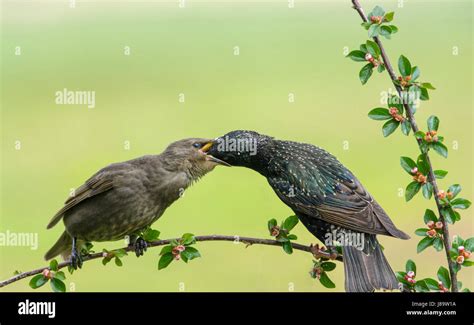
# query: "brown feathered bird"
[[124, 198], [327, 198]]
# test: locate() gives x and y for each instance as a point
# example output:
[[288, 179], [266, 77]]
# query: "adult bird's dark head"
[[241, 148], [191, 155]]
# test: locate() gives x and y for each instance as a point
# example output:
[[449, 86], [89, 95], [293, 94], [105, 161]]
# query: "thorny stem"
[[246, 240], [414, 127]]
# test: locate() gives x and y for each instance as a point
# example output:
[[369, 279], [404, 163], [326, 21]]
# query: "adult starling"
[[327, 198], [124, 198]]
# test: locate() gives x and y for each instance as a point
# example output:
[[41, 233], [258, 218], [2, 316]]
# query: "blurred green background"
[[191, 51]]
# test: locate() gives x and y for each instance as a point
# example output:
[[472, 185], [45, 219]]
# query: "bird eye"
[[196, 145]]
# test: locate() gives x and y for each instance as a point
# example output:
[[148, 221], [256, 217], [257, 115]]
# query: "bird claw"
[[316, 251], [76, 259], [323, 252], [140, 246]]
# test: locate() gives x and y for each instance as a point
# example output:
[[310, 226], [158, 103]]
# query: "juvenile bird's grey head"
[[189, 155], [241, 148]]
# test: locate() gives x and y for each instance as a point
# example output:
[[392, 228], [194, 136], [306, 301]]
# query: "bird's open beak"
[[206, 148]]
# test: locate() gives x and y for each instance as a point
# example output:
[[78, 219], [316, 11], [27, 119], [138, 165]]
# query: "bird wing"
[[99, 183], [315, 183]]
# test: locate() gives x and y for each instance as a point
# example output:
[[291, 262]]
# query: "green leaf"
[[429, 216], [469, 244], [423, 165], [287, 247], [38, 281], [389, 127], [380, 114], [440, 174], [421, 286], [424, 94], [415, 73], [328, 266], [119, 252], [407, 164], [385, 31], [448, 214], [165, 260], [271, 223], [326, 281], [374, 30], [356, 55], [401, 277], [366, 24], [410, 266], [373, 48], [393, 28], [468, 263], [365, 73], [420, 135], [53, 265], [427, 190], [427, 85], [290, 222], [431, 283], [389, 16], [443, 276], [58, 285], [377, 11], [421, 231], [292, 237], [406, 127], [151, 235], [458, 241], [433, 123], [381, 68], [411, 190], [118, 261], [440, 148], [404, 66], [60, 275], [187, 239], [455, 189], [191, 253], [438, 244], [460, 203], [166, 249], [424, 243]]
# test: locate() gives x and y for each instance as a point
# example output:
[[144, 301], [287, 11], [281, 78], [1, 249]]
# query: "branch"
[[319, 253], [414, 127]]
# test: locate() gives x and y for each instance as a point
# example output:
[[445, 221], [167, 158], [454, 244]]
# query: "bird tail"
[[368, 269], [62, 247]]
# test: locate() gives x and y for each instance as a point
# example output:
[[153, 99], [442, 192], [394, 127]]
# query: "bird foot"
[[76, 259], [322, 252], [315, 250], [140, 246]]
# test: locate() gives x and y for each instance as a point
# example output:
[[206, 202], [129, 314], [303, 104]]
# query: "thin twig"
[[414, 127], [245, 240]]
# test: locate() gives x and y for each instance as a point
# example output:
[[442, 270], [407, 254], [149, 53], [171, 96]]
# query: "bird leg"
[[76, 258], [322, 252], [139, 245]]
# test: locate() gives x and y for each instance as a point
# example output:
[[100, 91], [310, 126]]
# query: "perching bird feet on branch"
[[323, 252]]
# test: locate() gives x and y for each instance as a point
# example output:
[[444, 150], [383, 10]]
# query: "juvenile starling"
[[327, 198], [124, 198]]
